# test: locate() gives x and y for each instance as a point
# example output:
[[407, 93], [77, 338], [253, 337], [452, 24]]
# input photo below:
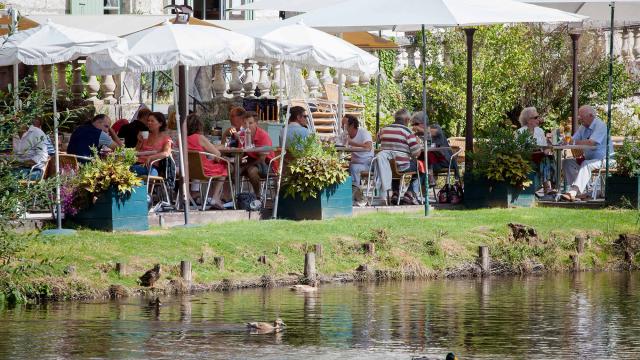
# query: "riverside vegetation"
[[82, 266]]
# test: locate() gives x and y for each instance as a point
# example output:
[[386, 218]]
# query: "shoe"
[[394, 199], [568, 197]]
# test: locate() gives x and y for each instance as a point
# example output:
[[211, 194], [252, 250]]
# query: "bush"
[[628, 158]]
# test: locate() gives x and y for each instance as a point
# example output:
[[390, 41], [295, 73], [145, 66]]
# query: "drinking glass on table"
[[568, 139]]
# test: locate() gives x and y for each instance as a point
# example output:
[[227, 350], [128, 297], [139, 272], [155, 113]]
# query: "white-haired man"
[[593, 132]]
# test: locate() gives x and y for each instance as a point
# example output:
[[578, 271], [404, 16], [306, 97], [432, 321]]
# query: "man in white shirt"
[[30, 150], [359, 138], [593, 132]]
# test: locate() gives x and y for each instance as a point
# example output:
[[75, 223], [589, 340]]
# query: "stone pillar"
[[636, 44], [264, 84], [624, 47], [219, 82], [76, 83], [326, 76], [61, 83], [411, 57], [92, 87], [399, 63], [235, 86], [249, 83], [278, 81], [313, 84], [108, 89]]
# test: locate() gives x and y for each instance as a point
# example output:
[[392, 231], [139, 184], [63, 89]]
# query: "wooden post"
[[369, 248], [484, 260], [219, 261], [262, 259], [310, 267], [185, 270], [277, 250], [161, 222], [580, 240], [318, 250], [121, 269], [575, 259]]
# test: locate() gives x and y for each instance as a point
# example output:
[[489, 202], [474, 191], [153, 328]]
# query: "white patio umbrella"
[[602, 12], [53, 43], [409, 15], [169, 46], [303, 46]]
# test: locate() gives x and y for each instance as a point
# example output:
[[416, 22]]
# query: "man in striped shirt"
[[402, 142]]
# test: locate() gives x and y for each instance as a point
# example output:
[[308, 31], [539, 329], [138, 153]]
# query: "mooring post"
[[262, 259], [484, 260], [185, 270], [369, 248], [318, 250], [575, 259], [310, 267], [580, 240], [121, 269], [219, 261]]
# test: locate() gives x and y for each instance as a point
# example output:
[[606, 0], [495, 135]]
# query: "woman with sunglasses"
[[530, 121]]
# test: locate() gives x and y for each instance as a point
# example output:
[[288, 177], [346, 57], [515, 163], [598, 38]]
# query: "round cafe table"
[[237, 154], [558, 149]]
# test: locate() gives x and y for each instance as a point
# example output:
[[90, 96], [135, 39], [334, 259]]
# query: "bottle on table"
[[248, 139]]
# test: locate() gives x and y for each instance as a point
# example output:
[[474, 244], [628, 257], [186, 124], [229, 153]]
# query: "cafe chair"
[[161, 181], [196, 172], [451, 170], [404, 177], [270, 183]]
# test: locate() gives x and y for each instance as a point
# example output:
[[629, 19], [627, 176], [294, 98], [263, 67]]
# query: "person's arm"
[[367, 144], [115, 138], [164, 153], [208, 146], [414, 146]]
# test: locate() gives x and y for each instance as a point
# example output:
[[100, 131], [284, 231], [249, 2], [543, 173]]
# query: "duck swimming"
[[266, 328], [304, 288]]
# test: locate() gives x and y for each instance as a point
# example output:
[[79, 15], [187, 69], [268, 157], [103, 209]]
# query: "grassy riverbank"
[[83, 265]]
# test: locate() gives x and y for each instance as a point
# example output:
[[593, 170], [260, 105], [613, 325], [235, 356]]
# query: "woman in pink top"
[[198, 142], [156, 146]]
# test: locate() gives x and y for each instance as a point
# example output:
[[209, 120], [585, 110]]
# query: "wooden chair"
[[403, 176], [350, 107], [196, 172]]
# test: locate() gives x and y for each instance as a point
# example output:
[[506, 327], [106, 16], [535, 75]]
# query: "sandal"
[[567, 197]]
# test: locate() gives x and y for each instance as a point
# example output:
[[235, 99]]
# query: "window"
[[207, 9], [112, 7]]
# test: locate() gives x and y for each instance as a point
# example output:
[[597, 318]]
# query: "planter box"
[[482, 193], [332, 202], [115, 212], [619, 187]]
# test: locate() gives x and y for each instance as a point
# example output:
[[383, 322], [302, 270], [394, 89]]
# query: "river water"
[[587, 316]]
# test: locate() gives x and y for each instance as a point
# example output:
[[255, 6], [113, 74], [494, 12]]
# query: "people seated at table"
[[51, 150], [359, 138], [196, 141], [257, 165], [438, 160], [129, 132], [297, 127], [155, 146], [230, 135], [97, 133], [398, 139], [592, 132], [30, 152], [530, 122]]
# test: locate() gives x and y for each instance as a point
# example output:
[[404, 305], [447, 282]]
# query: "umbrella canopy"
[[52, 43], [303, 46], [365, 40], [287, 5], [598, 11], [163, 47], [409, 15]]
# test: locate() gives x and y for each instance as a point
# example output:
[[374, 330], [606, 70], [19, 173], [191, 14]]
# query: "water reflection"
[[584, 316]]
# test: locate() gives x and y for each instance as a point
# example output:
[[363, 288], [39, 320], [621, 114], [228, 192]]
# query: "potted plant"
[[316, 183], [623, 186], [503, 174], [108, 196]]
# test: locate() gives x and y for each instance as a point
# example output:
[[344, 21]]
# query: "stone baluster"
[[352, 80], [44, 76], [399, 63], [636, 44], [92, 86], [219, 81], [249, 83], [108, 89], [411, 57], [235, 86], [364, 79], [278, 81], [624, 47], [76, 83], [313, 84], [326, 76], [264, 83], [61, 74]]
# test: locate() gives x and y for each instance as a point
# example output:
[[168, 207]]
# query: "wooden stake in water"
[[484, 260], [310, 267], [185, 270]]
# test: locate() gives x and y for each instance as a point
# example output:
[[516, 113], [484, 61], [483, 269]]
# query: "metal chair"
[[274, 177], [196, 172], [448, 171], [153, 180]]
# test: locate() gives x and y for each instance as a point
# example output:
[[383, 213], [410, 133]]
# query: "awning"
[[368, 41], [23, 24]]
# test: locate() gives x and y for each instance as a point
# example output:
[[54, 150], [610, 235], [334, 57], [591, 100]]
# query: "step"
[[323, 115], [323, 121], [324, 129]]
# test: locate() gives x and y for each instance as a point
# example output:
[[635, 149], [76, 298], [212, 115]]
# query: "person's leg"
[[140, 169], [570, 168], [253, 174], [584, 175]]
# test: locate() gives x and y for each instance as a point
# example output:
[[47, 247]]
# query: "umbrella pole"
[[16, 83], [54, 94], [176, 98], [574, 96], [378, 94], [469, 111], [153, 90], [610, 95], [283, 145], [427, 131]]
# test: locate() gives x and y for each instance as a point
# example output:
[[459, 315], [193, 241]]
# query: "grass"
[[404, 242]]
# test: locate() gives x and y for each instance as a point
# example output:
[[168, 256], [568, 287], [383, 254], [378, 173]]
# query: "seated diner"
[[530, 121], [257, 165], [97, 133], [156, 145], [30, 151]]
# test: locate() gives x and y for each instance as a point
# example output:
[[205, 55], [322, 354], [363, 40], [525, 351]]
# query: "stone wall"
[[39, 7]]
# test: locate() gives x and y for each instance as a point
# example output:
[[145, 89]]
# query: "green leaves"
[[628, 158]]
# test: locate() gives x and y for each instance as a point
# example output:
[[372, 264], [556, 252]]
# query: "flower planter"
[[482, 193], [331, 202], [115, 212], [619, 187]]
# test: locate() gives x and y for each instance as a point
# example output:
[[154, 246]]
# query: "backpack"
[[244, 200], [456, 193], [444, 193]]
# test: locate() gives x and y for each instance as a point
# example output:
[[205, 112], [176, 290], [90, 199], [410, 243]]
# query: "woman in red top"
[[156, 146], [257, 163], [198, 142]]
